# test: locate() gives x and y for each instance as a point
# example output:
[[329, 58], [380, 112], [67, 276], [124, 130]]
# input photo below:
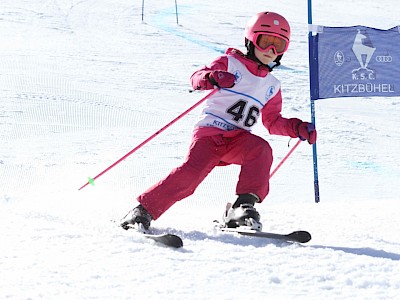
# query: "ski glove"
[[307, 132], [221, 79]]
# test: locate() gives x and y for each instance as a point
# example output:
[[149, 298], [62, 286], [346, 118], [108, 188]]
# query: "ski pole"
[[285, 158], [91, 180]]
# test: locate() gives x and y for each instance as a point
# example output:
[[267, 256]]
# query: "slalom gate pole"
[[91, 180], [176, 12], [311, 51], [142, 10], [285, 158]]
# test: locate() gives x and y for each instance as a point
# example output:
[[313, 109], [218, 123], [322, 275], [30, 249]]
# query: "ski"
[[167, 239], [295, 236]]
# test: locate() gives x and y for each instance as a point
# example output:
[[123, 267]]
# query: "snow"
[[83, 82]]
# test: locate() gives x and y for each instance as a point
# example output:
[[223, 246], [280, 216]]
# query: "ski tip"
[[173, 240], [300, 236], [176, 242], [167, 239]]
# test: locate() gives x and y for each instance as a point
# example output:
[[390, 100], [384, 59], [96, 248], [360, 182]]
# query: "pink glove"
[[307, 131], [221, 79]]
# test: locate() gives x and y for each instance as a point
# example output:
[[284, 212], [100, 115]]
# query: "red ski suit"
[[213, 146]]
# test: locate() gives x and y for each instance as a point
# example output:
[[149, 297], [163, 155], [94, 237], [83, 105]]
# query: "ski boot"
[[138, 215], [242, 213]]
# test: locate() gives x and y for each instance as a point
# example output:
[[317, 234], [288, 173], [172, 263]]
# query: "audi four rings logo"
[[384, 58]]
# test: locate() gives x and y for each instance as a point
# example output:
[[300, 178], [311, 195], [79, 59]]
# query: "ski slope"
[[84, 82]]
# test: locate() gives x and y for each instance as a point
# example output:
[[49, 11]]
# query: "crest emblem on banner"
[[339, 58], [363, 50]]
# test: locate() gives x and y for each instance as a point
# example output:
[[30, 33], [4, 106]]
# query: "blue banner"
[[355, 61]]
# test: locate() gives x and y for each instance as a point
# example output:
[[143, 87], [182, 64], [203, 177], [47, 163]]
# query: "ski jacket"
[[256, 92]]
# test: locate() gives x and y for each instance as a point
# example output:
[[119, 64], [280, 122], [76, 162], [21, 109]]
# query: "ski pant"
[[253, 153]]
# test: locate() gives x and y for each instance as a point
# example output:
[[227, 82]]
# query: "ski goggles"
[[264, 42]]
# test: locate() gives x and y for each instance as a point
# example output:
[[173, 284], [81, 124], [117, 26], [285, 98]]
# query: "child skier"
[[222, 136]]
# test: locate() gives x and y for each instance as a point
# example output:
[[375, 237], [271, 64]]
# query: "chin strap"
[[277, 62]]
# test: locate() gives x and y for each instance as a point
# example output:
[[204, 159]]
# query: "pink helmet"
[[267, 23]]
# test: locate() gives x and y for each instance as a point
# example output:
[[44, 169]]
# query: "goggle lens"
[[266, 42]]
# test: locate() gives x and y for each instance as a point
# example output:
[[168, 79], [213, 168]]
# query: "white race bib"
[[238, 107]]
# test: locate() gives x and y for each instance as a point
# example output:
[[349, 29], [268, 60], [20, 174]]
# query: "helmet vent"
[[276, 22]]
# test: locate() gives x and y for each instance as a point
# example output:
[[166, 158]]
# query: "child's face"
[[266, 57]]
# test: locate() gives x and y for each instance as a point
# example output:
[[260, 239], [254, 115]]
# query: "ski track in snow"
[[83, 82]]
